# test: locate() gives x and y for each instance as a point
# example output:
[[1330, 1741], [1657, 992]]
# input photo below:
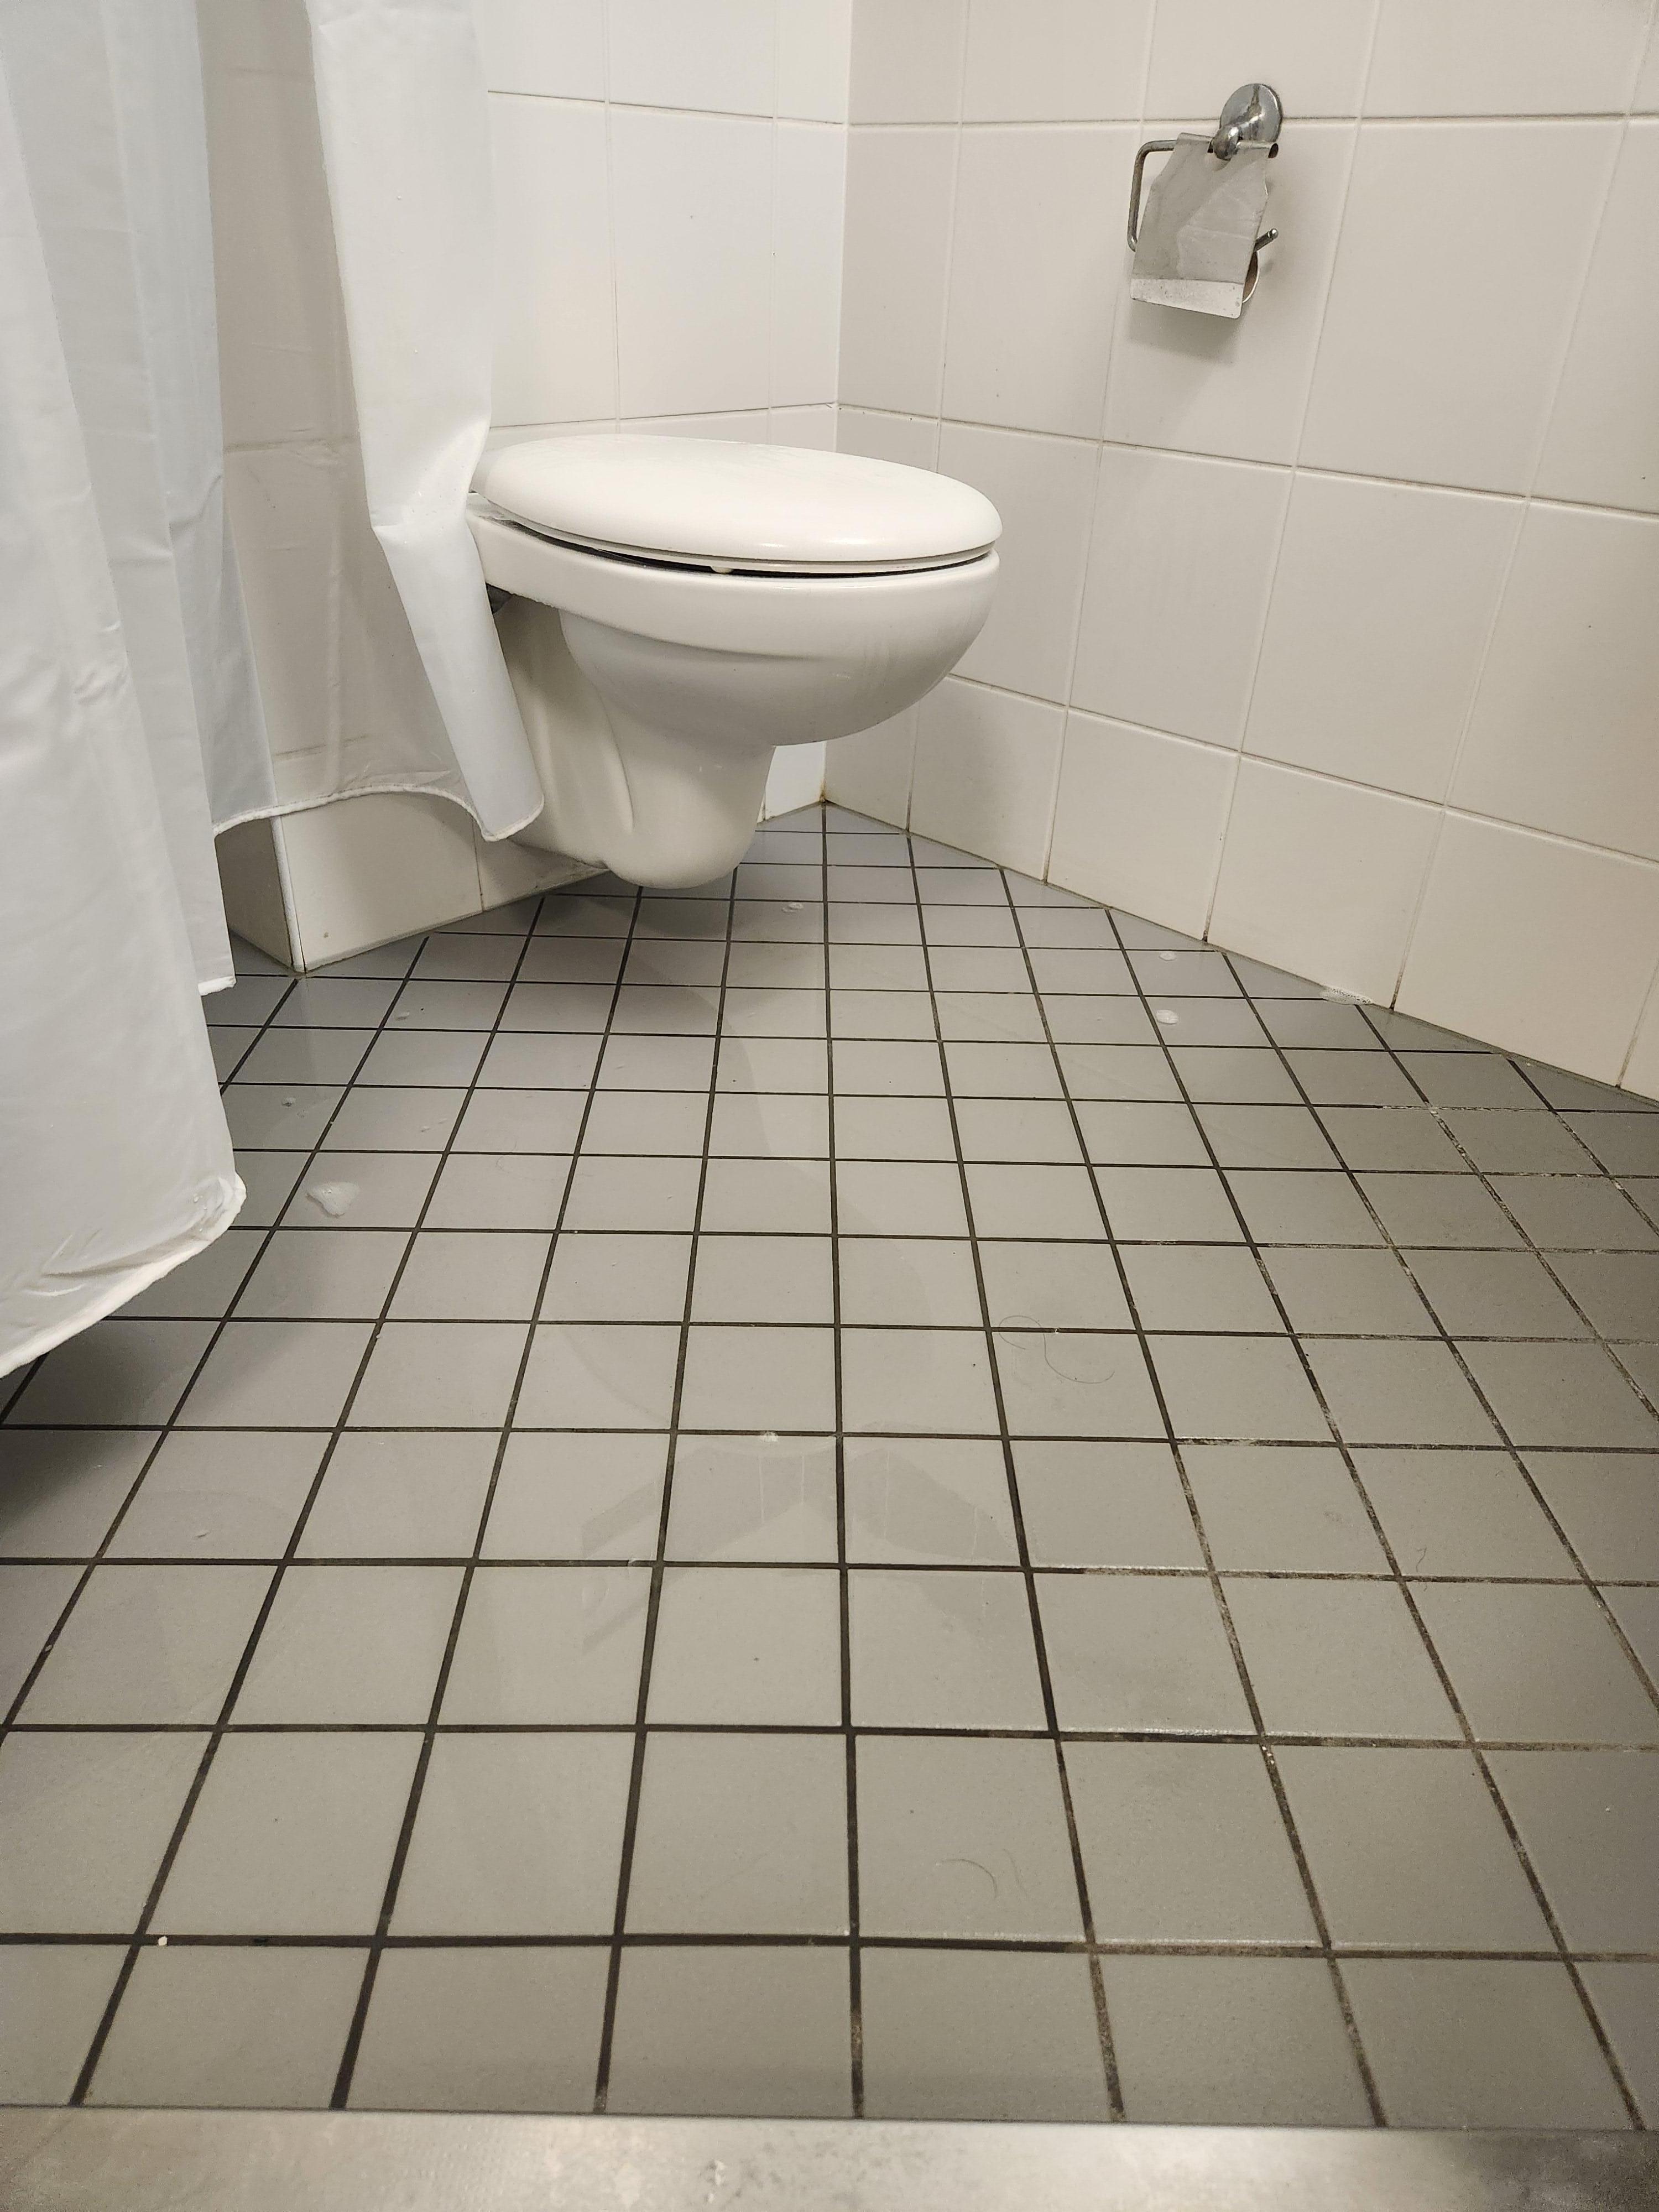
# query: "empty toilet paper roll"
[[1196, 245]]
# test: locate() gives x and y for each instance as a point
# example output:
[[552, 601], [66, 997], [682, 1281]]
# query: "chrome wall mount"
[[1252, 117]]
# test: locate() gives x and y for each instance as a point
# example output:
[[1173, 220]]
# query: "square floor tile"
[[758, 1378], [1122, 1020], [1537, 1663], [399, 1496], [1480, 2043], [1336, 1659], [599, 1375], [292, 1835], [1002, 1071], [1625, 1144], [1053, 1286], [1575, 1213], [1608, 1503], [1352, 1292], [60, 1489], [450, 1005], [31, 1601], [1408, 1851], [1029, 1201], [1460, 1513], [1168, 1206], [627, 1276], [740, 1833], [1627, 1997], [1239, 1075], [269, 1179], [503, 1190], [1268, 1509], [1025, 1129], [769, 1197], [888, 1070], [763, 1278], [938, 1499], [768, 1125], [216, 2025], [1104, 1505], [517, 1835], [1467, 1078], [1069, 1383], [1088, 968], [963, 1837], [893, 1129], [881, 1013], [471, 958], [1318, 1022], [1587, 1819], [934, 1380], [631, 1122], [549, 1646], [759, 1646], [423, 1058], [748, 2030], [121, 1371], [1118, 1072], [51, 1998], [550, 1063], [1418, 1209], [1184, 1842], [899, 1198], [269, 1115], [457, 1274], [1402, 1391], [1139, 1651], [210, 1496], [350, 1644], [1518, 1143], [1301, 1206], [1390, 1138], [752, 1497], [1619, 1290], [945, 1650], [586, 1497], [1130, 1134], [320, 1056], [912, 1282], [615, 1193], [433, 1374], [773, 1064], [492, 2031], [1210, 2042], [1494, 1294], [1236, 1388], [1200, 1286], [84, 1820], [984, 2035], [276, 1374], [148, 1644], [363, 1190], [320, 1274], [204, 1287], [1561, 1394]]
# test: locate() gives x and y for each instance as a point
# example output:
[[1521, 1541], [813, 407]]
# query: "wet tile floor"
[[867, 1491]]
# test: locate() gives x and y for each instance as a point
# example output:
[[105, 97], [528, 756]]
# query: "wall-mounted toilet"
[[680, 606]]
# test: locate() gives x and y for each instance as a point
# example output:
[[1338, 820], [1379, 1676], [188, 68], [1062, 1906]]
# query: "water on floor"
[[868, 1491]]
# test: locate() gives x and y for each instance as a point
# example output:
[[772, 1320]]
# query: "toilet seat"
[[717, 506]]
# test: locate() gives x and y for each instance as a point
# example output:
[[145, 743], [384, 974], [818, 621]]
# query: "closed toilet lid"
[[704, 503]]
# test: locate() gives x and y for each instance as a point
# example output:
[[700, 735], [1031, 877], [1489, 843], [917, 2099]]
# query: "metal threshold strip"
[[191, 2161]]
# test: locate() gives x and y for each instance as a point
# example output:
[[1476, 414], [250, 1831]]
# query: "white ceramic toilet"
[[680, 606]]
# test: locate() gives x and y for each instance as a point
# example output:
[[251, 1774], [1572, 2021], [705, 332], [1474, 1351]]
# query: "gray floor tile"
[[1197, 1287], [1494, 1294], [212, 1496], [1027, 1129], [766, 1125], [363, 1190], [1184, 1842], [1167, 1206], [518, 1190], [900, 1197], [1139, 1651], [1135, 1134], [632, 1193], [1408, 1851], [1480, 2043], [337, 1002], [1126, 1021], [1587, 1820], [1561, 1394], [934, 1380], [741, 1834], [1627, 1997], [214, 2026], [1576, 1093], [1233, 1075], [121, 1371], [1399, 1391], [1133, 1073], [1236, 1388], [320, 1274], [1391, 1139], [31, 1597], [1265, 1137], [978, 925], [760, 1646], [980, 2034], [1104, 1505], [596, 1497], [772, 1197], [1466, 1513], [552, 1063], [148, 1644], [1324, 1022], [393, 1120], [269, 1179], [1214, 2041], [1575, 1213], [881, 1013], [943, 1651], [553, 1646], [1625, 1144], [1196, 1021], [627, 1276], [267, 1374], [1292, 1512], [84, 1818], [1608, 1503], [896, 1128], [517, 1835], [761, 1279], [1033, 1201], [1350, 1079], [1069, 1383], [269, 1116], [1537, 1663], [493, 2030], [307, 1056], [1090, 968], [350, 1644], [583, 912], [629, 1121], [463, 1005], [883, 1070], [1468, 1079], [1438, 1210], [1069, 928], [1619, 1290], [1193, 974], [399, 1496], [1295, 1206], [879, 967], [457, 1274], [599, 1375], [1518, 1143], [205, 1286], [435, 1373], [928, 1499], [443, 1058], [60, 1489], [292, 1835], [758, 1378], [772, 1064], [1352, 1292], [752, 1497], [1338, 1659], [1002, 1071], [1069, 1286], [754, 2030], [911, 1282], [471, 958], [51, 1998]]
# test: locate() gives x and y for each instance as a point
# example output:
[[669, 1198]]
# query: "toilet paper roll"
[[1196, 246]]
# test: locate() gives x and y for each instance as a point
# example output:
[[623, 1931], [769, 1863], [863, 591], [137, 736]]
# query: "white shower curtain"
[[128, 715]]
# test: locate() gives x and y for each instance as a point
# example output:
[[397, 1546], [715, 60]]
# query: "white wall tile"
[[251, 883], [985, 768], [1382, 602], [796, 779], [1044, 490], [815, 43], [1037, 266], [365, 871], [1313, 55], [898, 234], [283, 504], [870, 772], [1205, 385], [1562, 736], [910, 440], [1177, 591], [555, 47], [806, 253], [255, 34], [1504, 57], [716, 54], [694, 250], [509, 871], [1323, 878], [555, 352], [1541, 947], [1462, 250], [747, 426], [1642, 1069], [906, 60], [1056, 61], [1603, 442], [1138, 820], [1646, 97], [813, 427]]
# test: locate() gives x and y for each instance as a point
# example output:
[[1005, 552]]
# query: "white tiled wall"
[[1332, 632]]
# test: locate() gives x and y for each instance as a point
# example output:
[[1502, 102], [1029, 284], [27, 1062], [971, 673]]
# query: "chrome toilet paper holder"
[[1252, 117]]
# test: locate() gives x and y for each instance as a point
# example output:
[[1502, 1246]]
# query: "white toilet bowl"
[[680, 607]]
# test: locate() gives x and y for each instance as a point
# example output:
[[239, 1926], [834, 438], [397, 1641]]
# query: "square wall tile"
[[1321, 877], [871, 769], [719, 55], [907, 62], [1316, 63], [985, 768], [1139, 819], [1056, 61], [544, 375], [1045, 493], [806, 264], [815, 39], [1502, 57], [899, 192], [982, 2034]]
